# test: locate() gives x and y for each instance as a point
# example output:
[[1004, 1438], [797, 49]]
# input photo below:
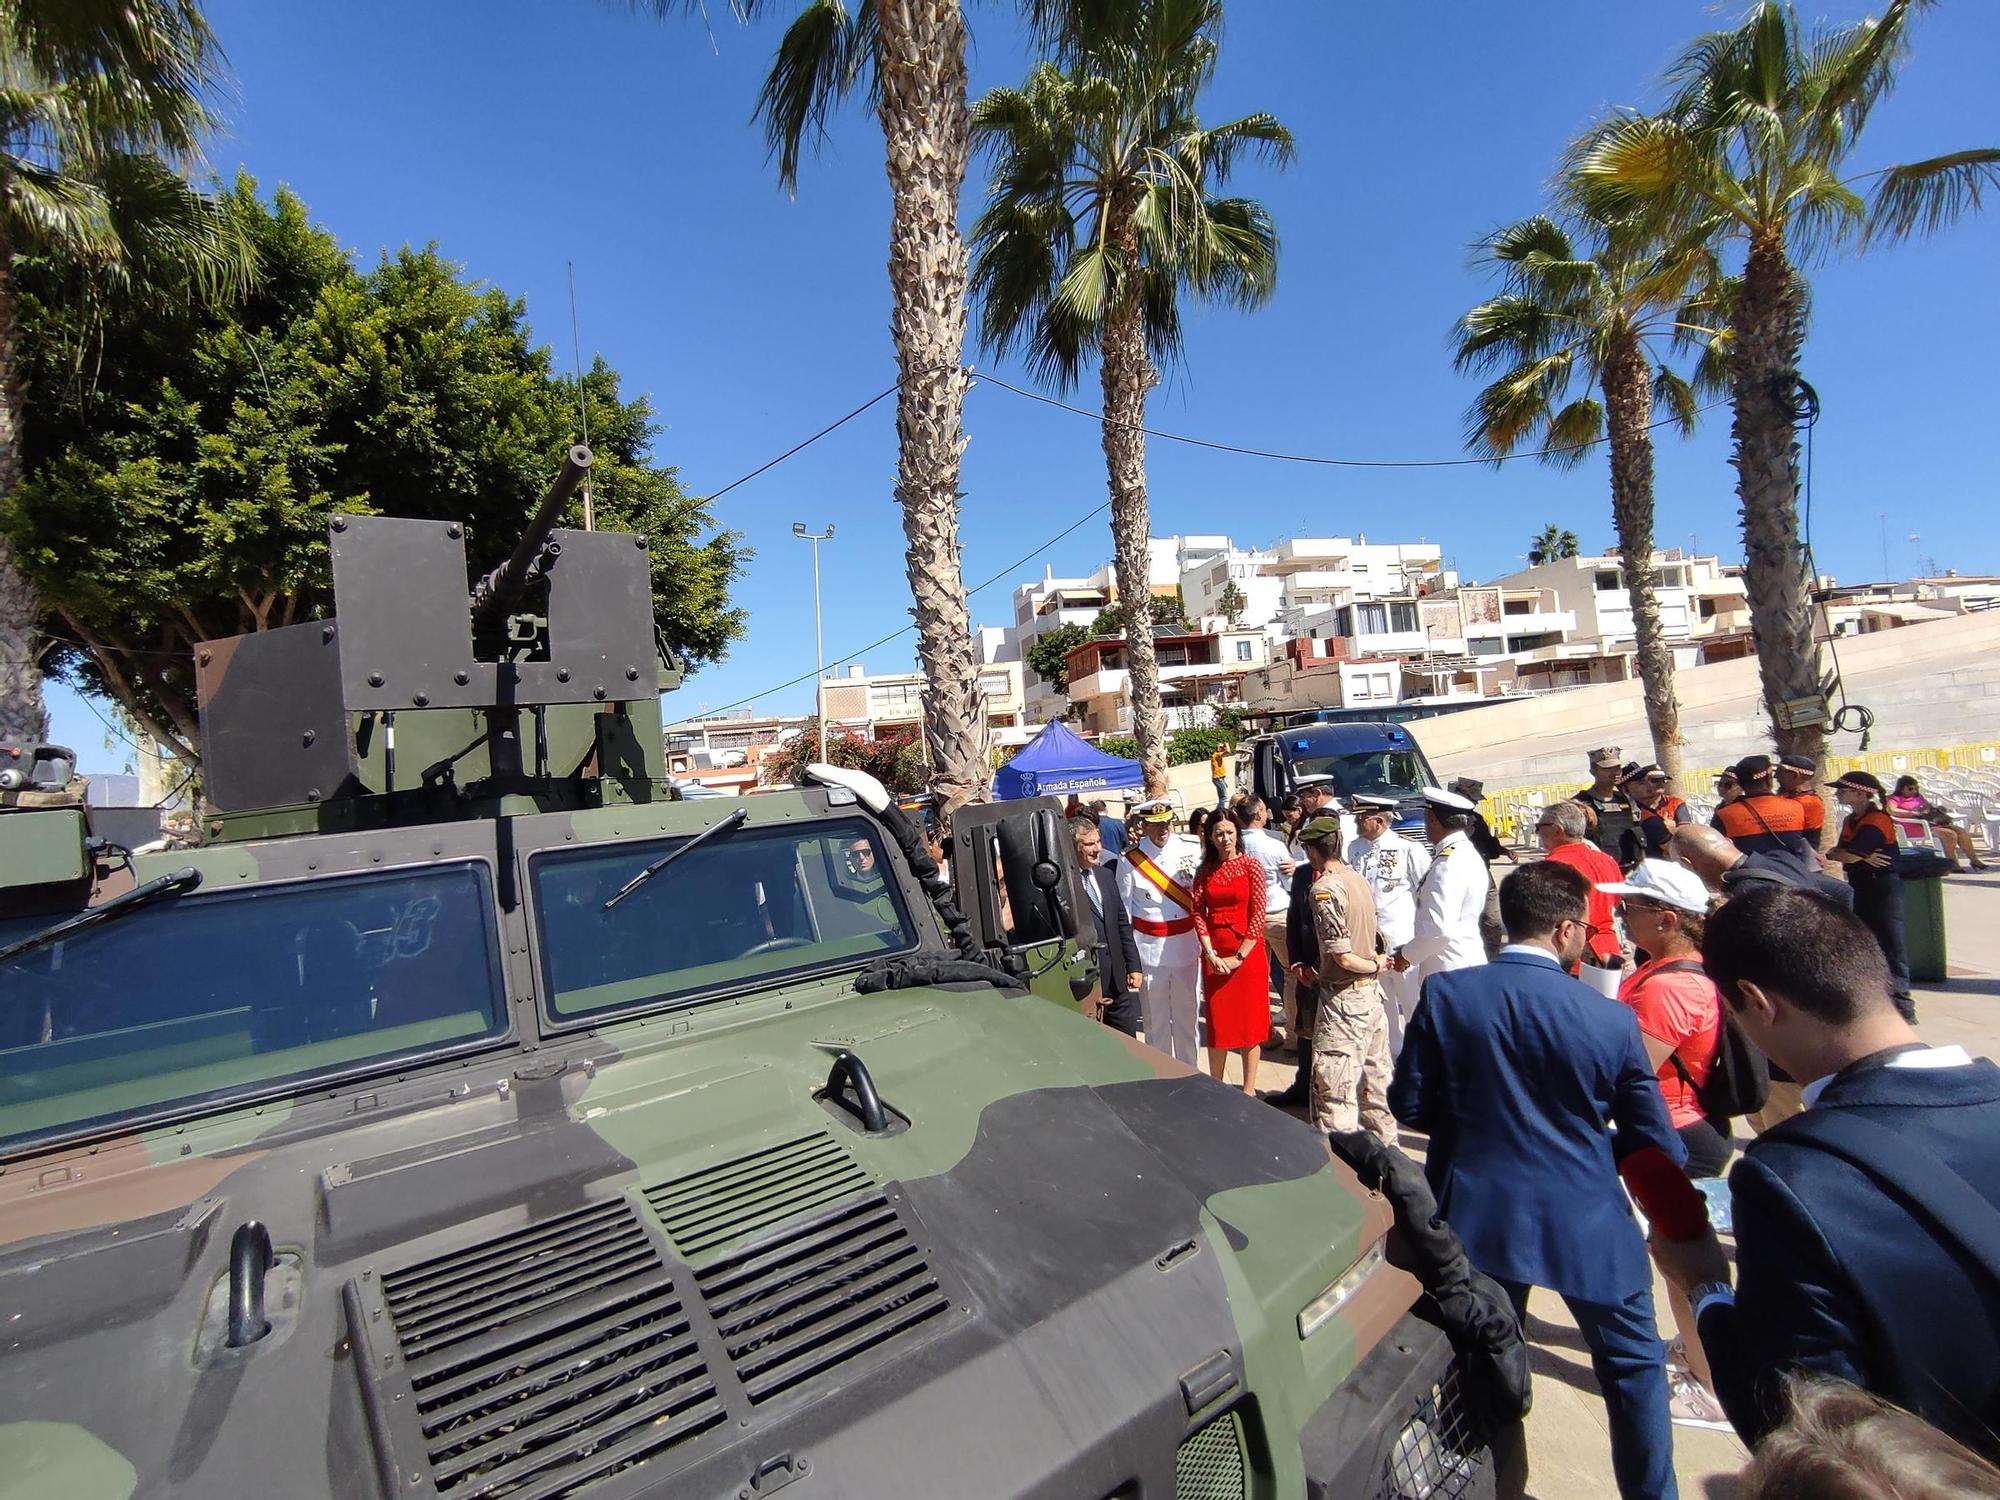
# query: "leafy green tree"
[[908, 59], [1121, 745], [1048, 657], [1761, 122], [894, 758], [1184, 746], [1100, 217], [183, 493], [101, 102], [1552, 544], [1232, 603], [1585, 312]]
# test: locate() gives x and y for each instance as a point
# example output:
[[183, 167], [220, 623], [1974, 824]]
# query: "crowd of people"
[[1655, 980]]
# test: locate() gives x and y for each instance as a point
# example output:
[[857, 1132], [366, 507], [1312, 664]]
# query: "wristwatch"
[[1701, 1296]]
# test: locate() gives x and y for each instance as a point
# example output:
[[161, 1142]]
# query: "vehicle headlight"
[[1314, 1315]]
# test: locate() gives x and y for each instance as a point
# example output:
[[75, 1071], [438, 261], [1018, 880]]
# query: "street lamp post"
[[819, 641]]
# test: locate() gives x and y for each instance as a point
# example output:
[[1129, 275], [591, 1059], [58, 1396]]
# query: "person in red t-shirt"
[[1560, 830], [1665, 910]]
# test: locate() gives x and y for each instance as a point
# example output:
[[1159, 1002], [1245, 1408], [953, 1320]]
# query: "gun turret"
[[537, 548], [416, 704]]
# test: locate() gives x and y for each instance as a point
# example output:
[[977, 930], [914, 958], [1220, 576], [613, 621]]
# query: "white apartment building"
[[1284, 583], [1198, 669], [1698, 596]]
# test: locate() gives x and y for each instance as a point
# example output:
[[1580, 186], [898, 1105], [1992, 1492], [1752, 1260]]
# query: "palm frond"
[[1676, 394], [826, 51], [1505, 331], [1571, 433], [1922, 197]]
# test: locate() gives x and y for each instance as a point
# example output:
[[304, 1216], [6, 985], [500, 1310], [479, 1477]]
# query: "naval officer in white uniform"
[[1394, 868], [1450, 897], [1156, 881]]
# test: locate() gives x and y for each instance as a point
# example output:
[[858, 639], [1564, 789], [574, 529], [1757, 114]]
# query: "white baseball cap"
[[1669, 884]]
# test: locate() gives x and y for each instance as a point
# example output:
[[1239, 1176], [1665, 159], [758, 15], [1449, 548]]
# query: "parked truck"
[[471, 1116]]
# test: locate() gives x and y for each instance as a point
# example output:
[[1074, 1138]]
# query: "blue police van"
[[1374, 758]]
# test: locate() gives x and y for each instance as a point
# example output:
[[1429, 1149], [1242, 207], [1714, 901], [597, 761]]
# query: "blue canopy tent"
[[1056, 763]]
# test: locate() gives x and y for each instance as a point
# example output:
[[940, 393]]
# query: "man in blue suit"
[[1516, 1070], [1867, 1228]]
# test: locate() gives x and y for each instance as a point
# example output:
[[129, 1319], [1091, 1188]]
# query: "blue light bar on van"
[[1299, 744]]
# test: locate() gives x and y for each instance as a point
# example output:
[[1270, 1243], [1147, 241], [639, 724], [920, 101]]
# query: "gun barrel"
[[501, 586]]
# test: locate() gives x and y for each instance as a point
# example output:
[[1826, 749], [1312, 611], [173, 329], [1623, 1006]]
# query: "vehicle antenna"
[[582, 408]]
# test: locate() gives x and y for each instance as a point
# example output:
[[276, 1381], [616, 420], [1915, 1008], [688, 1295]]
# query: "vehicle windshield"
[[1399, 773], [218, 993], [753, 905]]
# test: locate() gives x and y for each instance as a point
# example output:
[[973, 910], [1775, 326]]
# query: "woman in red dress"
[[1235, 973]]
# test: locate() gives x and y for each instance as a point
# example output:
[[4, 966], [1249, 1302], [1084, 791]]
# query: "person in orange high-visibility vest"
[[1795, 781], [1867, 851]]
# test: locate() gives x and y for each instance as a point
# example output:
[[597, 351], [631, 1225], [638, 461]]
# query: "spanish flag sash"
[[1169, 887]]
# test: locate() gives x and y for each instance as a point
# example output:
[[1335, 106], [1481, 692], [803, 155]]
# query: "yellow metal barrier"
[[1513, 811]]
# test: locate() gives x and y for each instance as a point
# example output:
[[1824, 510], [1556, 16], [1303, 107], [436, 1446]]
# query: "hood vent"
[[827, 1290], [548, 1358], [713, 1208]]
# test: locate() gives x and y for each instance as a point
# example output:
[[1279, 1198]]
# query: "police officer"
[[1656, 811], [1393, 868], [1350, 1047], [1451, 896], [1610, 809], [1155, 880]]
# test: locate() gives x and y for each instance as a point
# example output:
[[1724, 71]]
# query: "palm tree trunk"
[[1628, 413], [921, 60], [23, 720], [1763, 376], [1128, 375]]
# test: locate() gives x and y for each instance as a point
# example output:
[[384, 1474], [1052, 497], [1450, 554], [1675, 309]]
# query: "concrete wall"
[[1928, 685]]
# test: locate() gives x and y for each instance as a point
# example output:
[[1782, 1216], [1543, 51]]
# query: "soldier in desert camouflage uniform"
[[1350, 1043]]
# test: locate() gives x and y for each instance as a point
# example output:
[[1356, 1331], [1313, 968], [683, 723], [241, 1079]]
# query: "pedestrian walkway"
[[1569, 1445]]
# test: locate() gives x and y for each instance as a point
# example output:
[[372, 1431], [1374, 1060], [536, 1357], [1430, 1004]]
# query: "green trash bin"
[[1923, 927]]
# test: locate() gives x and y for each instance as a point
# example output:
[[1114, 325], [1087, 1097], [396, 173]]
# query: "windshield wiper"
[[160, 885], [734, 820]]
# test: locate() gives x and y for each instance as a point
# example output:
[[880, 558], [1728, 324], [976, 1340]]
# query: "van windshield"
[[1382, 773], [216, 994], [751, 905]]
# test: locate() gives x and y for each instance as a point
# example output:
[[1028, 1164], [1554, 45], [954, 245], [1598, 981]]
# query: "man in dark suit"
[[1843, 1267], [1118, 975], [1515, 1069]]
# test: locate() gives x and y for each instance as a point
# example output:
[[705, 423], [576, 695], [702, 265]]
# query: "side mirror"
[[1267, 770], [1015, 869]]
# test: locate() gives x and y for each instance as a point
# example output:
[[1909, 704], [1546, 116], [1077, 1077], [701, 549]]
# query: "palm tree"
[[1760, 123], [1553, 544], [1595, 315], [1099, 217], [101, 100], [909, 58]]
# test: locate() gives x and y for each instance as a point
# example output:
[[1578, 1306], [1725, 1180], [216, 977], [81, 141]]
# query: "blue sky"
[[521, 135]]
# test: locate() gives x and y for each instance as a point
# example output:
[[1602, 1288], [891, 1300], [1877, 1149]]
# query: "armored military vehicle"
[[470, 1117]]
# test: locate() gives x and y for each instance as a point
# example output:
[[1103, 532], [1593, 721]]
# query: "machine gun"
[[537, 550], [421, 700]]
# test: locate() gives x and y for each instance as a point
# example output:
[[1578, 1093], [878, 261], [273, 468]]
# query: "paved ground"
[[1569, 1450]]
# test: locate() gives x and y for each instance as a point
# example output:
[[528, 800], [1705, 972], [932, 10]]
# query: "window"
[[1607, 580], [244, 988], [1483, 645], [750, 906], [1403, 617], [1244, 651], [1372, 618], [895, 699]]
